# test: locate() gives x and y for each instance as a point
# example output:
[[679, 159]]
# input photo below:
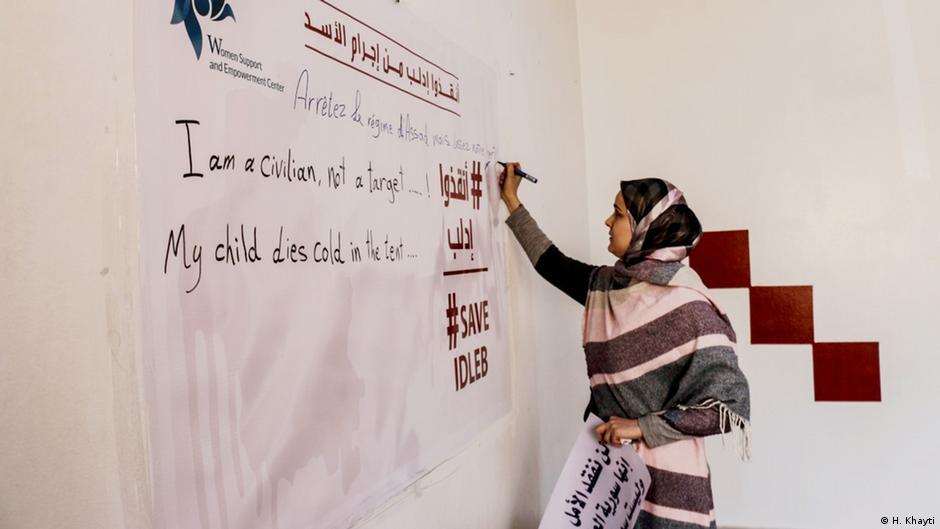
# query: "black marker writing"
[[173, 244], [189, 146]]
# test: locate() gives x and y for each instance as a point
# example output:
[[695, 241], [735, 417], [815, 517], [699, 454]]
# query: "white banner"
[[321, 258]]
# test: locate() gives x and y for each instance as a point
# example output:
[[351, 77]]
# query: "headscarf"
[[664, 227], [665, 230]]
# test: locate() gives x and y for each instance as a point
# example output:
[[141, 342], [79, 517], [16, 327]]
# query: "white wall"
[[812, 125], [72, 453], [71, 449]]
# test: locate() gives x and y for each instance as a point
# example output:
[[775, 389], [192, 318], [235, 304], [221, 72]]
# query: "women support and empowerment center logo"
[[189, 11]]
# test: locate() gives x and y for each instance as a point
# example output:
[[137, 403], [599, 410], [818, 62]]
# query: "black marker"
[[521, 173]]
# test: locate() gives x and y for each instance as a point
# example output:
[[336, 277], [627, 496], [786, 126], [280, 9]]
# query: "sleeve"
[[658, 430], [568, 275]]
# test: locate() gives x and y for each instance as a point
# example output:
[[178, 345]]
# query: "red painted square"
[[722, 259], [846, 371], [781, 314]]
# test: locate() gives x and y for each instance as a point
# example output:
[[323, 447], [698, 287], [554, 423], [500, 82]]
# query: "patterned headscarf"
[[664, 227]]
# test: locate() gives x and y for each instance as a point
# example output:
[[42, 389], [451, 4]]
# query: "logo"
[[190, 11]]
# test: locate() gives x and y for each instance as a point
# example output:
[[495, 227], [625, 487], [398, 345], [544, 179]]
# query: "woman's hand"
[[509, 186], [617, 428]]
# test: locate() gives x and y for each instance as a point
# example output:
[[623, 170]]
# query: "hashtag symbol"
[[477, 178], [452, 320]]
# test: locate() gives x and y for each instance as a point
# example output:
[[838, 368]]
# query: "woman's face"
[[618, 226]]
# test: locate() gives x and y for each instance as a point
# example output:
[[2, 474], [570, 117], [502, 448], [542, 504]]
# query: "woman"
[[660, 352]]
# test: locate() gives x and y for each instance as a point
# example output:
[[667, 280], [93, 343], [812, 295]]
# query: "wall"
[[71, 448], [72, 451], [812, 125]]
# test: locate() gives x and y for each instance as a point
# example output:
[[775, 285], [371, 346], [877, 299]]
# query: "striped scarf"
[[656, 343]]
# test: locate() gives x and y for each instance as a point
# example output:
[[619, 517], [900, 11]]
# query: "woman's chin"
[[616, 251]]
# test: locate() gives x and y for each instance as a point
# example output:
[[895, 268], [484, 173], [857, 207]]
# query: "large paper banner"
[[600, 487], [323, 312]]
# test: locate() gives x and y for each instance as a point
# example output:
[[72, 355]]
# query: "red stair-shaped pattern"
[[842, 371]]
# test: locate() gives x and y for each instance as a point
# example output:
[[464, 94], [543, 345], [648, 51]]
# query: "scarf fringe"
[[741, 426]]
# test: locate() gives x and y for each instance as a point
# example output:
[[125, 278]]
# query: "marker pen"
[[521, 173]]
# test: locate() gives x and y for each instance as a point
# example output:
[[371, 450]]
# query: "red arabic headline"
[[380, 57]]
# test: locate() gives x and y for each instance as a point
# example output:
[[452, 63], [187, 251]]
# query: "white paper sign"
[[601, 486]]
